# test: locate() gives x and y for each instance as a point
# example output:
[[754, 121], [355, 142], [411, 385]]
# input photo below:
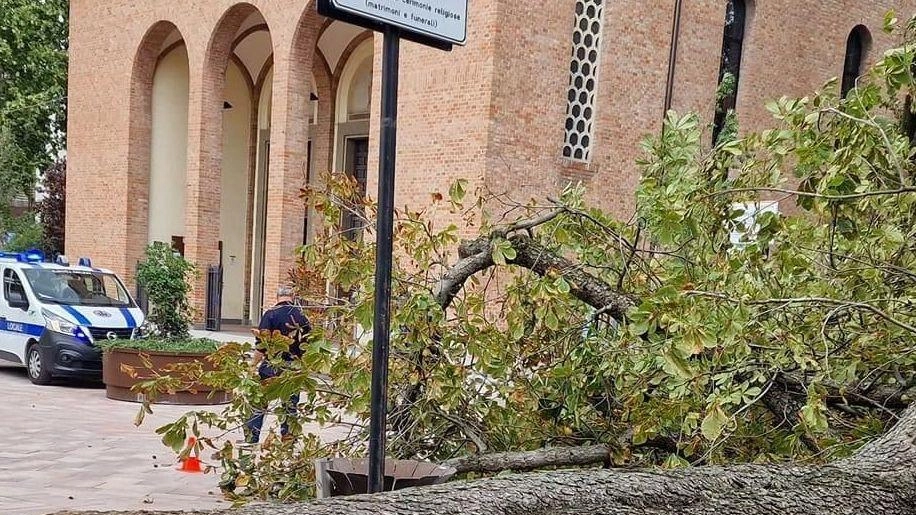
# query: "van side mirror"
[[18, 300]]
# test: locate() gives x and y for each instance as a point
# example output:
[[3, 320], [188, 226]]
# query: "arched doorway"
[[157, 164], [246, 120]]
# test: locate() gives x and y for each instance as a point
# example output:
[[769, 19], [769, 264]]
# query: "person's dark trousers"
[[254, 425]]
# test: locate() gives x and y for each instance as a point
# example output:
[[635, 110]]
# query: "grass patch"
[[177, 345]]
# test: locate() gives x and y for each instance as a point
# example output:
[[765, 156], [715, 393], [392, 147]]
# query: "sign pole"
[[434, 23], [381, 326]]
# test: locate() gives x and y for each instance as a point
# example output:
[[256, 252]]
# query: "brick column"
[[205, 151], [203, 181], [289, 140]]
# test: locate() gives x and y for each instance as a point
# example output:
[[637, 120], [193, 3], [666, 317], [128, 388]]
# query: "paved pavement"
[[69, 447], [234, 335]]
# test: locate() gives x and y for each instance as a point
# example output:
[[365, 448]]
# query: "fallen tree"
[[880, 479], [707, 332]]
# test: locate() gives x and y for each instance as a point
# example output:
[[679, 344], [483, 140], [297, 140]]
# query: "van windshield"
[[77, 288]]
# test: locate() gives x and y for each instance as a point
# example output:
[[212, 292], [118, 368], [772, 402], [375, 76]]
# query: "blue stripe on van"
[[80, 319], [131, 323], [21, 328]]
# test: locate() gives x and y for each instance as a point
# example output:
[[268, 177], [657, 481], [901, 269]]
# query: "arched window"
[[583, 80], [730, 68], [856, 48]]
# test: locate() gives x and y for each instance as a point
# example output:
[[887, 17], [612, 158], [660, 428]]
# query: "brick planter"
[[118, 383]]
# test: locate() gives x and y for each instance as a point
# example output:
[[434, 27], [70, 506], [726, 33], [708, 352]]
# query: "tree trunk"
[[879, 480]]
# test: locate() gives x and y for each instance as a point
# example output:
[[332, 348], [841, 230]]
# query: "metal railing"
[[214, 313]]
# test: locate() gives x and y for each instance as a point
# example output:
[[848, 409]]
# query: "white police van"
[[51, 315]]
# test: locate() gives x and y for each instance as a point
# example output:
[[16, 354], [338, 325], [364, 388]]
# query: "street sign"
[[438, 23], [435, 23]]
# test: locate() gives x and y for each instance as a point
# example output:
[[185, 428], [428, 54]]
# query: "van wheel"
[[38, 373]]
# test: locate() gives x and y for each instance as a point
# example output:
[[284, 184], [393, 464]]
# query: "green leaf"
[[814, 415], [676, 366], [890, 21], [675, 462], [714, 423], [458, 191], [503, 252], [551, 321]]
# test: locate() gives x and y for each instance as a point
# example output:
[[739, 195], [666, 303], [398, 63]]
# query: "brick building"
[[198, 122]]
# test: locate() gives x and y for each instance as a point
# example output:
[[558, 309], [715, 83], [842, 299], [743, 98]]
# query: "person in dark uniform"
[[289, 320]]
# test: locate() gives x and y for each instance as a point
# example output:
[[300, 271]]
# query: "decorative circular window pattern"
[[583, 78]]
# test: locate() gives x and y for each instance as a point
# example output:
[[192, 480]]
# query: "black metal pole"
[[385, 235], [672, 56]]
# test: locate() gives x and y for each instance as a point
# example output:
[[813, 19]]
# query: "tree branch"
[[851, 196], [807, 300], [887, 141], [881, 397], [583, 285], [476, 256]]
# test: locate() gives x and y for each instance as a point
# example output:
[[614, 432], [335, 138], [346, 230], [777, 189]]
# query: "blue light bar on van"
[[84, 261], [62, 261], [31, 256]]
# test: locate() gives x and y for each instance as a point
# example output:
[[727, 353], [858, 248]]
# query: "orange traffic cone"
[[191, 463]]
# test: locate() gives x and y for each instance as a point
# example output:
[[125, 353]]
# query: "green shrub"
[[166, 277]]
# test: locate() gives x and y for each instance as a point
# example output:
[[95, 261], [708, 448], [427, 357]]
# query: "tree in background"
[[52, 208], [33, 89]]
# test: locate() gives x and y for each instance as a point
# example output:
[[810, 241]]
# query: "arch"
[[216, 231], [170, 48], [260, 27], [262, 76], [353, 74], [736, 24], [153, 47], [223, 40], [303, 56], [857, 46], [355, 44]]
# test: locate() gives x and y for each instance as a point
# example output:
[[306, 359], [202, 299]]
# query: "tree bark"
[[527, 461], [878, 480]]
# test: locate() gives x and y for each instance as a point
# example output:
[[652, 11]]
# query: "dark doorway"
[[356, 166]]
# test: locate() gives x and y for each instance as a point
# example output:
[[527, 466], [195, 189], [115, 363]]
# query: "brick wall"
[[788, 50], [492, 112]]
